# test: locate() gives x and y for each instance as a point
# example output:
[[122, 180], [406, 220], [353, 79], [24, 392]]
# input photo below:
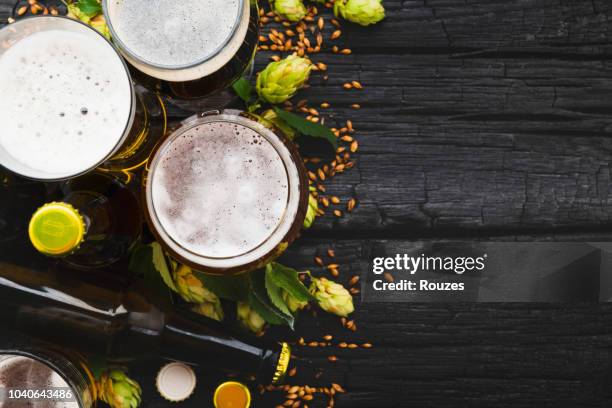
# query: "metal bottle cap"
[[176, 382], [57, 229], [240, 395], [283, 364]]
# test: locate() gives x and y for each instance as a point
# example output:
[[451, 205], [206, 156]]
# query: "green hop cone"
[[118, 390], [364, 12], [76, 13], [99, 23], [292, 10], [280, 80], [332, 297], [292, 303], [190, 287], [313, 207], [249, 318], [212, 310]]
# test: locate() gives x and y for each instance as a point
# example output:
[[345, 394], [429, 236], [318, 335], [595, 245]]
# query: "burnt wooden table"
[[480, 120]]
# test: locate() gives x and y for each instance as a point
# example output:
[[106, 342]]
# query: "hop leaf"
[[292, 10], [190, 287], [313, 207], [118, 390], [270, 118], [332, 297], [75, 12], [280, 80], [363, 12], [249, 318]]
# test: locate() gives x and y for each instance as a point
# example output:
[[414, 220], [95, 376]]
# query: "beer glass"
[[68, 102], [42, 378], [190, 51], [224, 194]]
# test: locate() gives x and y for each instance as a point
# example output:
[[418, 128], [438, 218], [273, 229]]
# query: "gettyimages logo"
[[413, 264]]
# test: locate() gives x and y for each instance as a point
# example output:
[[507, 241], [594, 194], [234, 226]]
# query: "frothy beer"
[[223, 193], [66, 99], [25, 373], [173, 33]]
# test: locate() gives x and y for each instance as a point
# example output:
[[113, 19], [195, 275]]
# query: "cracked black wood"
[[479, 120]]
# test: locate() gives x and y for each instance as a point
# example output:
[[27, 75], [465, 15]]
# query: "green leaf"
[[264, 311], [275, 293], [90, 8], [160, 263], [262, 303], [253, 107], [141, 264], [306, 127], [288, 279], [243, 89], [97, 365], [235, 288], [140, 260]]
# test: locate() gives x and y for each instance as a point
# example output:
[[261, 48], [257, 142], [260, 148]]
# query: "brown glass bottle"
[[93, 221], [94, 313]]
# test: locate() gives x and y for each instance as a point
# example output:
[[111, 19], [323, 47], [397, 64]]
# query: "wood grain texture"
[[479, 120]]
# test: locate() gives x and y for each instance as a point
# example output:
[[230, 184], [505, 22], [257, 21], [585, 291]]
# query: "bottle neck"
[[191, 337]]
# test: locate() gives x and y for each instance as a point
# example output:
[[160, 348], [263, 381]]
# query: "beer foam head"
[[173, 33], [220, 189], [20, 372], [66, 102]]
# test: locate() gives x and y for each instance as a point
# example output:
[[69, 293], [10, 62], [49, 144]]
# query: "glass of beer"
[[68, 102], [191, 51], [44, 378], [224, 194]]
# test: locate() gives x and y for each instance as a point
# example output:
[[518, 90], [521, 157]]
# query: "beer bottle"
[[99, 313], [95, 222]]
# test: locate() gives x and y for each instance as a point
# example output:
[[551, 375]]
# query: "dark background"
[[480, 120]]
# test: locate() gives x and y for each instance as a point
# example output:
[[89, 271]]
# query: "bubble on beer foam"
[[220, 189], [23, 373], [66, 100], [173, 32]]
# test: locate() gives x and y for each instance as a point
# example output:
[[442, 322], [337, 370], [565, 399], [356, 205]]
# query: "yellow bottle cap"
[[56, 229], [232, 394], [283, 364]]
